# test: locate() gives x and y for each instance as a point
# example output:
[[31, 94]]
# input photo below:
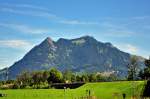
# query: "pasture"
[[102, 90]]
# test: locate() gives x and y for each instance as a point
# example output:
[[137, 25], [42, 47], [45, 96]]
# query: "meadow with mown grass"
[[101, 90]]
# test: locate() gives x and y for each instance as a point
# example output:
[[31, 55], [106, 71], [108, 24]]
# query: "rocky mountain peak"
[[83, 54], [85, 39], [49, 40]]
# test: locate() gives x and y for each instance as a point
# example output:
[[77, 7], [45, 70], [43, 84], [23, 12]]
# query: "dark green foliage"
[[84, 78], [100, 78], [132, 68], [147, 63], [16, 86], [141, 72], [111, 77], [67, 85], [145, 74], [55, 76], [45, 79], [24, 79], [34, 79], [146, 92], [37, 78], [78, 78], [10, 81], [73, 78], [45, 76], [92, 78], [67, 75]]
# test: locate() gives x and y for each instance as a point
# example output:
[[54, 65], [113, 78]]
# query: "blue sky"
[[25, 23]]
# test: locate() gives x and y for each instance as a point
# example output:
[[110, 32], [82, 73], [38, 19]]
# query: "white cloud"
[[77, 22], [3, 62], [7, 56], [19, 44], [132, 49], [128, 48], [25, 28]]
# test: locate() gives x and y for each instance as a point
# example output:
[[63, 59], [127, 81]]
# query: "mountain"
[[84, 54]]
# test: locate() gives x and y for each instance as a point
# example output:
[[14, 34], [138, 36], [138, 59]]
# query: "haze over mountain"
[[84, 54]]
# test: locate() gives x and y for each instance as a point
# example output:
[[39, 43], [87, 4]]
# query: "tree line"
[[44, 79], [133, 70]]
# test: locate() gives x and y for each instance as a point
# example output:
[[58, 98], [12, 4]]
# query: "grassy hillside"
[[103, 90], [106, 90]]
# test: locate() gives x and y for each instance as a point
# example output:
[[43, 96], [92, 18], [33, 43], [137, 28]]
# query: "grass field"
[[103, 90]]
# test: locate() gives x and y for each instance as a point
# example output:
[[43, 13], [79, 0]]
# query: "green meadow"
[[102, 90]]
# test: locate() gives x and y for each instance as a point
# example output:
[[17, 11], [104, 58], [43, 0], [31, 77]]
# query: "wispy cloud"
[[27, 9], [4, 63], [49, 16], [19, 44], [24, 28], [133, 49], [118, 33], [27, 6], [119, 30], [38, 11], [140, 17], [77, 22], [128, 48], [29, 13]]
